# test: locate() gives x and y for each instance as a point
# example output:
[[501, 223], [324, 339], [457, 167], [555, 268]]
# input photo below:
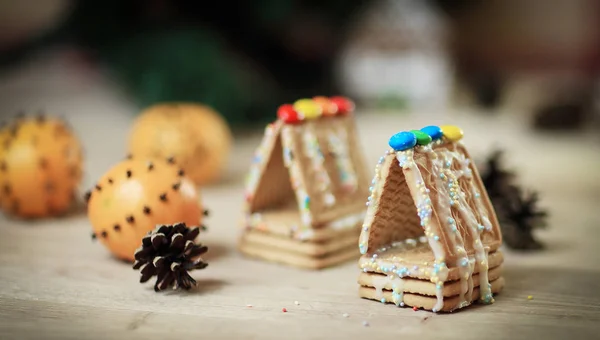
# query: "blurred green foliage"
[[232, 55]]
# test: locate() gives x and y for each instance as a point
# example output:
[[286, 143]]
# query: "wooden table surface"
[[57, 284]]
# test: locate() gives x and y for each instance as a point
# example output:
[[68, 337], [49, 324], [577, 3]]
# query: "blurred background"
[[245, 58], [534, 63]]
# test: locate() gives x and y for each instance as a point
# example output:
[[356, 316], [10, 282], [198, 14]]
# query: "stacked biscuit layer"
[[311, 249], [409, 283]]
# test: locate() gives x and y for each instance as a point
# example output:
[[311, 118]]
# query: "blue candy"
[[403, 140], [434, 131]]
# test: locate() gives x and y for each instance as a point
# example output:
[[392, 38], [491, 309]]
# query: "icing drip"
[[425, 209], [397, 290], [379, 283], [450, 201], [457, 197], [295, 177], [338, 143], [466, 172], [315, 153], [440, 173]]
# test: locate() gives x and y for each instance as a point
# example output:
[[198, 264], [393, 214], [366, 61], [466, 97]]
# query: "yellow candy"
[[308, 108], [452, 133]]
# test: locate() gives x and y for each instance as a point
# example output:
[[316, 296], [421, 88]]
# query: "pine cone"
[[495, 178], [519, 217], [517, 211], [169, 252]]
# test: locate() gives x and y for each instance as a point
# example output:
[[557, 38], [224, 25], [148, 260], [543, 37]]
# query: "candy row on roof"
[[310, 109], [409, 139]]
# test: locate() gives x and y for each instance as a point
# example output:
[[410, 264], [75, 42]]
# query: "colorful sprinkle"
[[445, 169], [433, 131], [344, 105], [249, 306], [338, 143], [288, 114], [308, 108], [345, 315], [529, 297], [296, 303], [284, 310], [452, 133], [422, 137], [402, 141]]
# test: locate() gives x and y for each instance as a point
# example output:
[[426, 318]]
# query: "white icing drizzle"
[[444, 212], [481, 254], [373, 202], [397, 290], [296, 179], [450, 197], [389, 266], [425, 209], [379, 283], [468, 173], [338, 143], [315, 153], [260, 160]]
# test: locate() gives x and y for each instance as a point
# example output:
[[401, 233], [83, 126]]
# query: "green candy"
[[422, 137]]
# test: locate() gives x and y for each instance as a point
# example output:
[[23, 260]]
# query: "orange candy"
[[328, 107], [40, 167], [136, 195]]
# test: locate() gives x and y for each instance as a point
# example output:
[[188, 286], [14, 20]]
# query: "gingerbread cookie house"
[[430, 238], [306, 187]]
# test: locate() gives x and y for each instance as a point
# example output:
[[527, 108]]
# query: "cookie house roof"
[[311, 153], [427, 185]]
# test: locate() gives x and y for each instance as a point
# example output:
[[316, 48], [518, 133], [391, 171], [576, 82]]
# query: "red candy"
[[288, 114], [344, 104]]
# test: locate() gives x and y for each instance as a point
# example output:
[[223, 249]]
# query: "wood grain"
[[55, 283]]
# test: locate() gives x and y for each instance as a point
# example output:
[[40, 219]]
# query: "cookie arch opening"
[[274, 190], [396, 218]]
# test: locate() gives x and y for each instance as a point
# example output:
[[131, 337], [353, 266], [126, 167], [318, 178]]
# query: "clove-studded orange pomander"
[[134, 196], [40, 167], [196, 135]]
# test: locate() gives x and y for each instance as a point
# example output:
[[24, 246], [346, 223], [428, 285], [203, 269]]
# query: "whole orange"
[[40, 167], [136, 195], [194, 134]]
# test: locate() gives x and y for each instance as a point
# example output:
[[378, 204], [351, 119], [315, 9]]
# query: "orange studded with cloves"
[[136, 195], [40, 167]]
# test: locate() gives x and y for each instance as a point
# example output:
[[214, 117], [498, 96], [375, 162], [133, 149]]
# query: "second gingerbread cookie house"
[[306, 187], [430, 238]]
